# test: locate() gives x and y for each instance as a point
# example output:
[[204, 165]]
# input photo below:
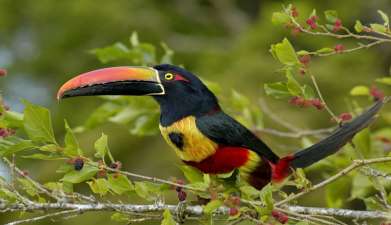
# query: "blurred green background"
[[44, 43]]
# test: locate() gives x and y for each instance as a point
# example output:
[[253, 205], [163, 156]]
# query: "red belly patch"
[[224, 160]]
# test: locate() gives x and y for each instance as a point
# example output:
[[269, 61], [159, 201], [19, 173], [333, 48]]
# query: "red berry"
[[317, 103], [280, 217], [339, 48], [345, 116], [337, 25], [6, 132], [182, 196], [78, 164], [3, 72], [305, 59], [233, 211], [25, 173], [376, 93]]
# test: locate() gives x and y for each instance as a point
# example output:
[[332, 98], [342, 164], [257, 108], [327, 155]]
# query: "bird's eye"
[[168, 76]]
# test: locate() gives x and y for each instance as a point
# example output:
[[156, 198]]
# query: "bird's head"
[[179, 92]]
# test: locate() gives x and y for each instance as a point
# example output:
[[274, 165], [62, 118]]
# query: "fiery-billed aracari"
[[199, 131]]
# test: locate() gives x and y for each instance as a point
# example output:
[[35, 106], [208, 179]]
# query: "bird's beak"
[[114, 81]]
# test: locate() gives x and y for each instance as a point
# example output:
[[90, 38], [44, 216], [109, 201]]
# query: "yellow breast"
[[187, 141]]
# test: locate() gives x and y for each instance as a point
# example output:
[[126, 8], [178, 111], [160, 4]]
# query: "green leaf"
[[360, 91], [278, 90], [28, 186], [361, 186], [44, 157], [385, 18], [279, 18], [38, 124], [22, 145], [134, 39], [71, 144], [120, 217], [249, 191], [372, 203], [13, 119], [384, 80], [239, 101], [338, 192], [119, 184], [111, 53], [362, 141], [147, 190], [145, 125], [84, 174], [331, 15], [324, 50], [192, 175], [99, 186], [101, 114], [167, 218], [308, 92], [292, 85], [8, 195], [380, 28], [168, 54], [101, 146], [358, 26], [302, 52], [285, 53], [212, 206]]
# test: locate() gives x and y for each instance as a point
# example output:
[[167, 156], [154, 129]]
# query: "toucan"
[[201, 133]]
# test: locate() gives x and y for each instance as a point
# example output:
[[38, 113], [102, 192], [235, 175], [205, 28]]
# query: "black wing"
[[337, 139], [223, 129]]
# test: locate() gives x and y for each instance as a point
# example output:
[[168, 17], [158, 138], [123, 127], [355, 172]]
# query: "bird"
[[200, 132]]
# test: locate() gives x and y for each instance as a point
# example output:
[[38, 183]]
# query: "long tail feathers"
[[336, 140]]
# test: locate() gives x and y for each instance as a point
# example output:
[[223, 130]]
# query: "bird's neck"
[[174, 108]]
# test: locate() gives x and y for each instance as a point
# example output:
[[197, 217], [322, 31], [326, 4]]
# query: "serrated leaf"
[[331, 15], [101, 146], [44, 157], [212, 206], [384, 80], [147, 190], [279, 18], [324, 50], [249, 191], [111, 53], [380, 28], [308, 92], [38, 124], [119, 217], [71, 144], [277, 90], [285, 53], [192, 175], [338, 192], [362, 141], [359, 91], [99, 186], [292, 85], [358, 26], [167, 218], [84, 174], [119, 184], [22, 145]]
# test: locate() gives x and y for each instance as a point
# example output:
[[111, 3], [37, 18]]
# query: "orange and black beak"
[[126, 80]]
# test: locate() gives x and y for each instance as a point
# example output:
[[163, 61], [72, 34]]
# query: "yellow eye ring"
[[168, 76]]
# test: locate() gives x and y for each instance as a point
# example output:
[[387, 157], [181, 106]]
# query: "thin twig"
[[321, 98], [34, 219], [354, 165]]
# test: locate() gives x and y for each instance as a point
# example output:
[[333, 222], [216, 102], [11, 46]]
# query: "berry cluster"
[[339, 48], [312, 22], [233, 202], [280, 217], [337, 25], [302, 102]]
